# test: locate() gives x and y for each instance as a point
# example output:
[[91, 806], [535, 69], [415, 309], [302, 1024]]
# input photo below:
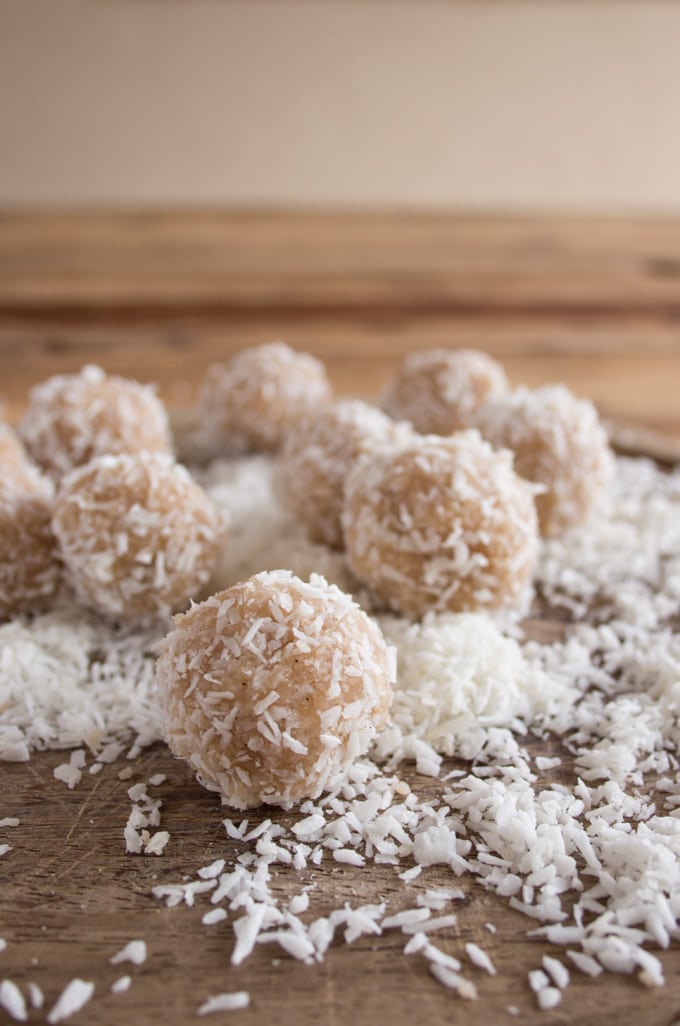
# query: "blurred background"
[[179, 178]]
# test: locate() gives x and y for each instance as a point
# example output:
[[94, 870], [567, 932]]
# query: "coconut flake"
[[74, 996]]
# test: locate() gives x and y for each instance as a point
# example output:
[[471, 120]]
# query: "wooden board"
[[590, 302], [440, 261], [72, 898]]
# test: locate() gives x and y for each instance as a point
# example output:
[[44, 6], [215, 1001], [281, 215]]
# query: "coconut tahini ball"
[[320, 451], [439, 390], [273, 688], [250, 403], [72, 418], [138, 536], [441, 524], [558, 443], [30, 569]]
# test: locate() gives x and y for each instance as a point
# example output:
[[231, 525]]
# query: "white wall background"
[[521, 103]]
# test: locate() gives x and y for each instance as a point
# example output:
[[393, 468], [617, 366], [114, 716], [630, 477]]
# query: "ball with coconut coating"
[[318, 455], [438, 390], [250, 403], [559, 444], [442, 524], [272, 688], [30, 571], [72, 418], [138, 536], [16, 469]]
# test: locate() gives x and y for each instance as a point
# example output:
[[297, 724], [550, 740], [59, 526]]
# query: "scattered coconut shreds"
[[69, 679], [121, 985], [134, 951], [594, 865], [3, 943], [71, 772], [145, 813], [225, 1003], [74, 996]]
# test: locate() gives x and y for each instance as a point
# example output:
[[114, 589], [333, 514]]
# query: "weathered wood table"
[[591, 302]]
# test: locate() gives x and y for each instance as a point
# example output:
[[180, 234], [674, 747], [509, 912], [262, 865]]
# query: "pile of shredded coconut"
[[592, 861]]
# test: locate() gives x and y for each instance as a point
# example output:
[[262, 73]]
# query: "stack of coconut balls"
[[271, 688]]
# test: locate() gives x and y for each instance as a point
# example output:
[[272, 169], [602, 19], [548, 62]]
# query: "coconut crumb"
[[225, 1003], [480, 958], [13, 1001], [75, 996], [134, 951]]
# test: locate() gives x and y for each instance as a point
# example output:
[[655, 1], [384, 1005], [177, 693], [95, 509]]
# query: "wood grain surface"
[[592, 302]]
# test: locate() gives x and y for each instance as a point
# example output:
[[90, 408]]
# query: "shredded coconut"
[[225, 1003], [134, 951], [75, 996], [591, 859]]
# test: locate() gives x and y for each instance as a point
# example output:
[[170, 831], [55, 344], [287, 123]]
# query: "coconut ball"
[[12, 453], [559, 443], [272, 688], [72, 418], [442, 524], [138, 536], [251, 403], [16, 468], [30, 571], [317, 456], [438, 390]]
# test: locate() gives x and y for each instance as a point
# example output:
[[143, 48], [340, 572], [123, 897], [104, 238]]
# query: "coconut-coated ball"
[[16, 469], [317, 456], [30, 571], [72, 418], [442, 524], [138, 536], [559, 443], [438, 390], [12, 452], [250, 403], [272, 688]]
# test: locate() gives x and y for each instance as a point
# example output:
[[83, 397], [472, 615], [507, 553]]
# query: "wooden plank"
[[631, 368], [373, 262]]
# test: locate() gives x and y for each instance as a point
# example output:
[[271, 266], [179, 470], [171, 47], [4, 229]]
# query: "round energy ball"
[[12, 452], [16, 469], [317, 456], [250, 403], [137, 535], [72, 418], [272, 688], [442, 524], [438, 390], [30, 571], [558, 443]]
